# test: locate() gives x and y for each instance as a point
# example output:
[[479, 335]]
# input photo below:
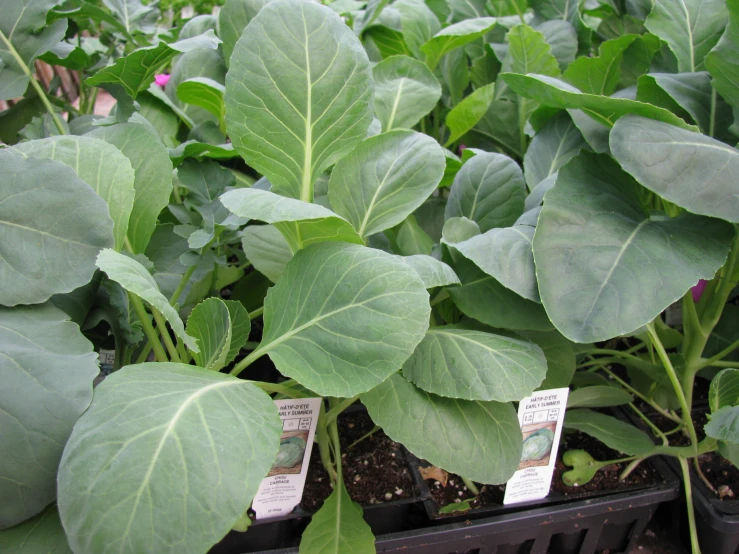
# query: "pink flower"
[[162, 79], [698, 289]]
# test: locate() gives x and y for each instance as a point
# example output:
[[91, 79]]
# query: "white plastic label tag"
[[282, 489], [541, 416]]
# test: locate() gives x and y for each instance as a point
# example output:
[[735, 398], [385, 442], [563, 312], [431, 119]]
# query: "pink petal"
[[698, 289], [162, 79]]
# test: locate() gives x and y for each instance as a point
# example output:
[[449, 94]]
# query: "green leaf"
[[52, 226], [233, 19], [465, 115], [266, 249], [42, 534], [562, 39], [598, 397], [204, 63], [552, 147], [342, 318], [724, 425], [612, 432], [500, 125], [600, 75], [24, 35], [584, 467], [724, 390], [100, 165], [44, 362], [606, 110], [384, 179], [135, 72], [474, 365], [528, 52], [161, 116], [405, 91], [205, 180], [412, 240], [161, 445], [724, 334], [691, 28], [152, 176], [560, 357], [592, 235], [338, 527], [203, 92], [134, 16], [210, 325], [134, 277], [432, 272], [480, 440], [489, 189], [455, 36], [418, 24], [388, 42], [690, 169], [301, 223], [723, 61], [240, 327], [295, 108]]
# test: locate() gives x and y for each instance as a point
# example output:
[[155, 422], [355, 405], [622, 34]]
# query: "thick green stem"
[[336, 410], [471, 486], [256, 313], [365, 436], [324, 446], [162, 326], [656, 430], [144, 353], [636, 393], [712, 124], [696, 549], [151, 334], [182, 284], [333, 431], [246, 362]]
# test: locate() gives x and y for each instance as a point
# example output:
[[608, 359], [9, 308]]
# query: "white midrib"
[[391, 119], [167, 432], [306, 192], [690, 35]]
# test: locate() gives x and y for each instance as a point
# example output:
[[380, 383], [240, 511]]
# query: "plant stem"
[[256, 313], [712, 124], [701, 475], [714, 359], [440, 297], [144, 353], [151, 334], [246, 362], [127, 244], [162, 326], [635, 392], [182, 284], [617, 353], [336, 410], [333, 431], [365, 436], [629, 468], [696, 549], [323, 446], [656, 430], [471, 486]]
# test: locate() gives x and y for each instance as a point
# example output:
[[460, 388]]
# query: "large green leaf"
[[475, 365], [465, 115], [454, 36], [689, 27], [42, 534], [598, 397], [560, 357], [500, 125], [165, 446], [480, 440], [724, 425], [210, 325], [528, 52], [266, 249], [418, 24], [432, 272], [100, 165], [295, 107], [724, 389], [405, 91], [233, 19], [603, 109], [489, 189], [551, 148], [384, 179], [152, 176], [600, 74], [24, 35], [301, 223], [562, 39], [612, 432], [605, 267], [52, 226], [44, 362], [343, 317], [135, 72], [690, 169], [723, 61], [203, 92], [134, 277], [337, 527]]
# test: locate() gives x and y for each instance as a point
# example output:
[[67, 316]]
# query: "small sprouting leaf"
[[163, 444], [134, 277], [384, 179], [724, 390], [690, 169], [584, 467], [52, 226], [454, 36], [210, 325], [240, 328], [612, 432], [343, 317], [598, 397], [461, 436]]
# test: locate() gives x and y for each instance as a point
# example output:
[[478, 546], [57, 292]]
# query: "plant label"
[[541, 416], [282, 489]]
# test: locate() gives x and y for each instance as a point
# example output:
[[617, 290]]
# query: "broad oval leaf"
[[405, 91], [604, 266], [266, 249], [384, 179], [209, 324], [598, 397], [474, 365], [100, 165], [152, 176], [724, 390], [489, 189], [480, 440], [298, 94], [134, 277], [454, 36], [156, 450], [690, 169], [612, 432], [552, 147], [432, 272], [52, 226], [342, 318], [44, 362], [42, 534]]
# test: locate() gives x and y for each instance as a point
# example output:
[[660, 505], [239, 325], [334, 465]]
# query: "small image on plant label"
[[282, 489], [541, 417]]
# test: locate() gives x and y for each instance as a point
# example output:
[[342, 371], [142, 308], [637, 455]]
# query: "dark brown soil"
[[374, 470], [606, 479]]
